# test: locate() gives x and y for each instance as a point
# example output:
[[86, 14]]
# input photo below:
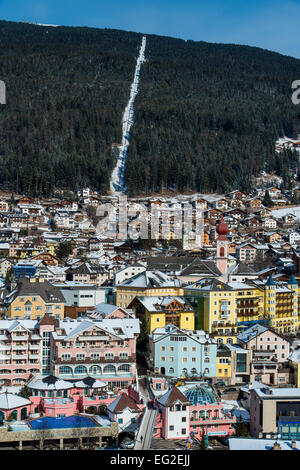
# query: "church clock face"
[[222, 243]]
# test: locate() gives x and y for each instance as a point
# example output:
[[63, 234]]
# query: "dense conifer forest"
[[206, 118], [66, 92]]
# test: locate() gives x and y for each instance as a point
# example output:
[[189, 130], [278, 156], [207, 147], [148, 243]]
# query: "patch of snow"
[[117, 182]]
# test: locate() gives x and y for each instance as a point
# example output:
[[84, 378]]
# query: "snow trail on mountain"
[[117, 182]]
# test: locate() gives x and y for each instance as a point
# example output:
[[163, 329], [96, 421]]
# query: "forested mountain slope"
[[206, 116], [66, 90]]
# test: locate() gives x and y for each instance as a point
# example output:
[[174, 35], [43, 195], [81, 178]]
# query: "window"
[[171, 428], [183, 419], [80, 357], [183, 431], [66, 357], [162, 348], [109, 355], [95, 356]]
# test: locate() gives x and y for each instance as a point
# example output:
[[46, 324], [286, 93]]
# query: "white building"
[[127, 272], [294, 237]]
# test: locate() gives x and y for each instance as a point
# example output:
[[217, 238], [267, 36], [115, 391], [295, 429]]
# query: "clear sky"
[[270, 24]]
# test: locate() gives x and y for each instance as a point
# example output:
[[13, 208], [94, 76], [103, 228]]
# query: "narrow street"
[[144, 436]]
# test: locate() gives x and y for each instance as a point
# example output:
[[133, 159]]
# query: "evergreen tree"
[[203, 441], [25, 392], [267, 201], [64, 250]]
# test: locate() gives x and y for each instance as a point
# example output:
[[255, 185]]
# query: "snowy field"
[[278, 213]]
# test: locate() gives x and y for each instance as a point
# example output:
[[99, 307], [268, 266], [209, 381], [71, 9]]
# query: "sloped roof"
[[49, 383], [199, 266], [173, 396], [90, 382], [242, 268], [9, 401], [47, 320], [148, 279], [45, 289], [122, 402]]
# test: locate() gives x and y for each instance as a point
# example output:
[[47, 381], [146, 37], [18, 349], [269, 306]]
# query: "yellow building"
[[147, 284], [223, 365], [158, 312], [282, 305], [224, 309], [33, 297], [214, 304]]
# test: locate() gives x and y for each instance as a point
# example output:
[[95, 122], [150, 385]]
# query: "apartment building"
[[104, 349], [33, 298], [179, 352]]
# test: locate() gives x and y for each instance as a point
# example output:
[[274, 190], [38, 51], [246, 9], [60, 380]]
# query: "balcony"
[[19, 356], [263, 351], [213, 421], [92, 338], [100, 360]]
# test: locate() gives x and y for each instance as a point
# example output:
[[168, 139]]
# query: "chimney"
[[276, 446]]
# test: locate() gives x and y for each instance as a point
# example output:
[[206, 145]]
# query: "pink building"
[[104, 349], [20, 351], [55, 397], [192, 410], [13, 405]]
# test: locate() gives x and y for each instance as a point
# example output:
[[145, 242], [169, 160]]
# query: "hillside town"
[[139, 338]]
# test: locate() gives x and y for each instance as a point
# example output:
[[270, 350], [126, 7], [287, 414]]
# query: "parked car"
[[220, 384]]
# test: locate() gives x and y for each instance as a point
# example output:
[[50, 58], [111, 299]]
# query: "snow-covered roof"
[[9, 401], [49, 383], [238, 443]]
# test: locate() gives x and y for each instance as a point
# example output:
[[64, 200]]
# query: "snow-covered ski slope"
[[117, 182]]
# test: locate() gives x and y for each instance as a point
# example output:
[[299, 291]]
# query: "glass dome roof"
[[201, 394]]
